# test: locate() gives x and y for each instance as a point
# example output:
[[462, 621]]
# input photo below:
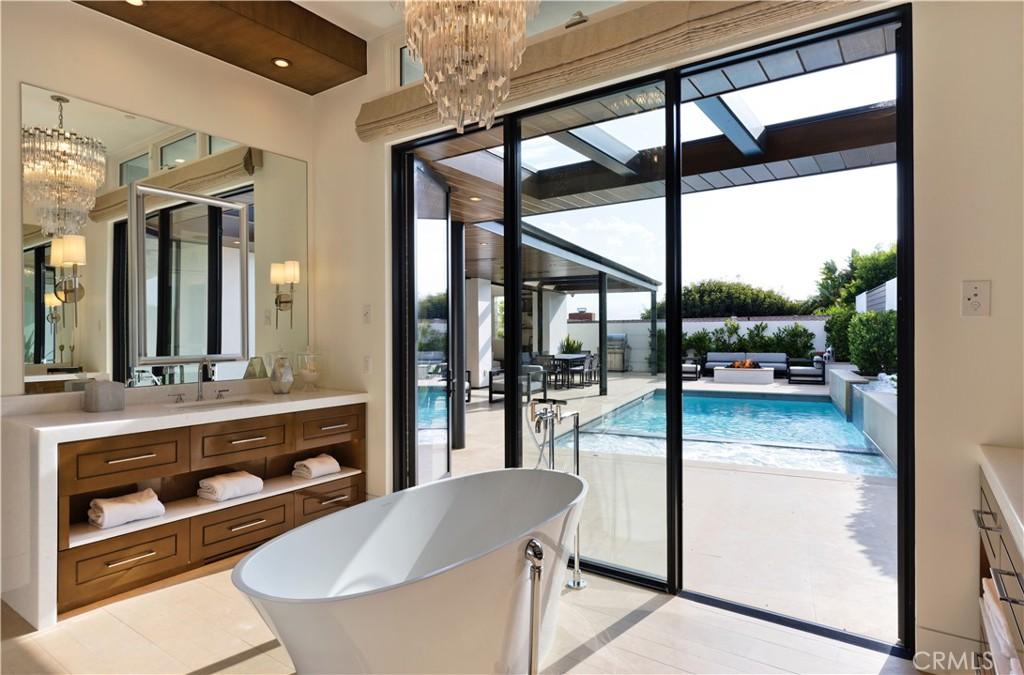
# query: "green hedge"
[[873, 342], [837, 331], [794, 340]]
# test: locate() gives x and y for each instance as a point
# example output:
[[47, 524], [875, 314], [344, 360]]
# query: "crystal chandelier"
[[62, 172], [468, 49]]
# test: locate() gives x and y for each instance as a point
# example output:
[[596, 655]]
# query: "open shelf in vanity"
[[96, 563]]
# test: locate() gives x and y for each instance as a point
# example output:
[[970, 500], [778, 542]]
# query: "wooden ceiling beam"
[[251, 35]]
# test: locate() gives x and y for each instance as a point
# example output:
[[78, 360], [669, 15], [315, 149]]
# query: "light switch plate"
[[976, 298], [367, 365]]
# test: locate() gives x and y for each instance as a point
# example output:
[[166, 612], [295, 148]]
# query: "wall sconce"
[[52, 304], [68, 251], [282, 273]]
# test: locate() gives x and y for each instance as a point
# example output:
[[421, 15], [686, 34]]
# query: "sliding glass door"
[[710, 269], [593, 267], [789, 228]]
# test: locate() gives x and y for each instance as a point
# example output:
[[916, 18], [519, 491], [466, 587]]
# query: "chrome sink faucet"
[[204, 367]]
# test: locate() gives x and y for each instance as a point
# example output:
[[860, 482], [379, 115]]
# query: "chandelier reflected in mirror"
[[469, 50], [62, 172]]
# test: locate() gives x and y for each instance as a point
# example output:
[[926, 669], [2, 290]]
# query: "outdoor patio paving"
[[815, 545]]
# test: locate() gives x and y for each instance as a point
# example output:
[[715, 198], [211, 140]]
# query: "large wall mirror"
[[216, 267]]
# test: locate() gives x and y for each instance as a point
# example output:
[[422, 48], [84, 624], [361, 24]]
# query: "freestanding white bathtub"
[[430, 579]]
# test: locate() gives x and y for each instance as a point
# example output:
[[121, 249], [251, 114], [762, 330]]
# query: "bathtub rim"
[[236, 571]]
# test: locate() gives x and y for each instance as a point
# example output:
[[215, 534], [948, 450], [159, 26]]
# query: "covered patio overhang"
[[553, 267]]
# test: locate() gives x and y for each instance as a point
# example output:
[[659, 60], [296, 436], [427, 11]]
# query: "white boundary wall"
[[638, 330]]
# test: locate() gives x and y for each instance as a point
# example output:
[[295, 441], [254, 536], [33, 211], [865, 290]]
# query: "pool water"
[[773, 432], [431, 408]]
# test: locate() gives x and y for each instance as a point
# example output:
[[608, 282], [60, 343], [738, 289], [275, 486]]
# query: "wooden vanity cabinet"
[[1000, 558], [100, 463], [108, 567], [194, 532]]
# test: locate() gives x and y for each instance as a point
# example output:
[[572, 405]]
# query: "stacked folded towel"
[[314, 467], [104, 513], [1001, 641], [229, 486]]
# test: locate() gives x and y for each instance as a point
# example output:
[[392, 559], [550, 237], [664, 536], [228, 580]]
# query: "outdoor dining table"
[[565, 362]]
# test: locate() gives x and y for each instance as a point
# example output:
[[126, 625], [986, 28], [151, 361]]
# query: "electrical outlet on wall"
[[366, 365], [268, 317], [976, 298], [366, 314]]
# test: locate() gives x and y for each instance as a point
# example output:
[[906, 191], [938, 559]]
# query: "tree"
[[832, 282], [868, 271], [433, 306], [713, 298]]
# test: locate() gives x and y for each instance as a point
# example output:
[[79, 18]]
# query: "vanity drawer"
[[225, 443], [223, 532], [317, 428], [99, 570], [108, 462], [319, 500]]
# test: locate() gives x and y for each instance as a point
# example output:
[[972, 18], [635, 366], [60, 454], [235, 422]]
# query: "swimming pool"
[[794, 433], [431, 408]]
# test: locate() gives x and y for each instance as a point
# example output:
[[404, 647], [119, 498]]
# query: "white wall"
[[75, 50], [638, 332], [352, 254], [281, 215], [968, 225]]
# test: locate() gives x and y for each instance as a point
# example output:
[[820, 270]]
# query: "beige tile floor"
[[818, 546], [200, 624]]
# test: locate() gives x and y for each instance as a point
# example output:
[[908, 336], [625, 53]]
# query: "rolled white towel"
[[1001, 625], [314, 467], [229, 486], [104, 513]]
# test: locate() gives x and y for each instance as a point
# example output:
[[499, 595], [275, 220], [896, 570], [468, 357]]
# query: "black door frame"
[[404, 319]]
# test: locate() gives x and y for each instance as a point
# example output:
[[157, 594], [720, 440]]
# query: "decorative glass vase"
[[309, 370], [281, 375]]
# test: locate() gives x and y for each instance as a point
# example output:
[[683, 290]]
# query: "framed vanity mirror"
[[188, 271], [212, 265]]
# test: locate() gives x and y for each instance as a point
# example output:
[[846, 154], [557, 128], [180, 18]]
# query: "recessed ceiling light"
[[474, 199], [135, 3], [483, 243], [179, 161], [282, 62]]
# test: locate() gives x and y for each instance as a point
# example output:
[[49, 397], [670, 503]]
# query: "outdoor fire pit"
[[746, 371]]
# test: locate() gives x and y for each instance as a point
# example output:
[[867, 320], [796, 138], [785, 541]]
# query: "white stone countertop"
[[1004, 469], [79, 425]]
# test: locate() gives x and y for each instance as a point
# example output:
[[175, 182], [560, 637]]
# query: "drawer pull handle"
[[148, 455], [979, 518], [341, 498], [246, 526], [332, 427], [241, 441], [997, 577], [125, 561]]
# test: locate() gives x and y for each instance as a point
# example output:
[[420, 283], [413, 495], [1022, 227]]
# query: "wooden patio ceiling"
[[840, 141], [549, 262], [837, 142]]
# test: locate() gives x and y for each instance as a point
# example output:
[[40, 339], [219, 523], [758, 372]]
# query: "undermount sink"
[[216, 403]]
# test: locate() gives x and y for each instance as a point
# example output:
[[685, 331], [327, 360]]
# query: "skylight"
[[826, 91], [544, 152]]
